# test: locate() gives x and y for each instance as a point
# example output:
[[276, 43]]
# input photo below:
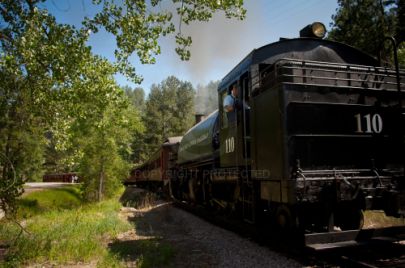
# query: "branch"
[[30, 5], [22, 229], [7, 17], [4, 36]]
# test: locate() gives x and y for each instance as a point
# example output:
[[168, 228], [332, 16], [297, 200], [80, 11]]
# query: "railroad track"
[[379, 253], [376, 254]]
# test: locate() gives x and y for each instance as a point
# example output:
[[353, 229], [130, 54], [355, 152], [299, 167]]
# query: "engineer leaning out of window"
[[230, 100]]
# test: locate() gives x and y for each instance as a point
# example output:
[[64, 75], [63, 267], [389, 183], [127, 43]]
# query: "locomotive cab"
[[235, 124]]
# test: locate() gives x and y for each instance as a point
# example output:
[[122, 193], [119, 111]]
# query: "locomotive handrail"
[[324, 178], [332, 64], [357, 174], [345, 72], [331, 171], [376, 78], [343, 79], [371, 83], [377, 74]]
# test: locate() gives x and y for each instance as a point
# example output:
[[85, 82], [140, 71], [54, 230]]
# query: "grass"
[[139, 200], [63, 230], [145, 253], [156, 254], [58, 199]]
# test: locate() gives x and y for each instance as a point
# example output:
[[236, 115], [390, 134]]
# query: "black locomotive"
[[316, 137]]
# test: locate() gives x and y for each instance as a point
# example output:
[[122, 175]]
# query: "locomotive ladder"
[[247, 187]]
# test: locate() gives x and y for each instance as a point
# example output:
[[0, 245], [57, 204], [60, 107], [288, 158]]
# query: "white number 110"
[[373, 123]]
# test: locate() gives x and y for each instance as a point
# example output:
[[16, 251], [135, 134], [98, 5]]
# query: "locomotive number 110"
[[229, 145], [369, 123]]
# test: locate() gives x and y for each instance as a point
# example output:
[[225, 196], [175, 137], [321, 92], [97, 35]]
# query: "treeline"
[[365, 24], [168, 111], [60, 106]]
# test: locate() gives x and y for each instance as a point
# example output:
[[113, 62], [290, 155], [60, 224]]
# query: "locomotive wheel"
[[352, 220]]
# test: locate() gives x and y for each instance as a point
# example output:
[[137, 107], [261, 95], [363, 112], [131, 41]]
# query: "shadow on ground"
[[160, 237]]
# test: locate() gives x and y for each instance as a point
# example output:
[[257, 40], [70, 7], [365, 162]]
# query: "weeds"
[[58, 235], [132, 197], [144, 253], [63, 230]]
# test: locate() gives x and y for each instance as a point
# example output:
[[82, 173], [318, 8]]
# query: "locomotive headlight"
[[316, 29]]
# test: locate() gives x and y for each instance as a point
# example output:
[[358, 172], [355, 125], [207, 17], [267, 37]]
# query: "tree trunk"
[[101, 181]]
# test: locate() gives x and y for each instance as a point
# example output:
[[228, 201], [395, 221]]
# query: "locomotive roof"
[[300, 49]]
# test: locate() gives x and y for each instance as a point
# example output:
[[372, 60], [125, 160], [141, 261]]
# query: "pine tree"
[[364, 23]]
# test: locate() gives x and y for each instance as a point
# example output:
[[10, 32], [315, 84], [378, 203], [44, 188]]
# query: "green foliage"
[[150, 253], [34, 61], [106, 147], [169, 111], [136, 97], [59, 104], [138, 24], [64, 237], [400, 31], [364, 23]]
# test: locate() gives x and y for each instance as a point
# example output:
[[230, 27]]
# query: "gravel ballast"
[[198, 243]]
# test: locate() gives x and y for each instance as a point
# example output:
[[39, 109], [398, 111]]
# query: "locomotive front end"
[[345, 142], [328, 125]]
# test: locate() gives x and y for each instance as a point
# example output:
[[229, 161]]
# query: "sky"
[[218, 45]]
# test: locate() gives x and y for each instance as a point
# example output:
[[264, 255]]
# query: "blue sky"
[[217, 45]]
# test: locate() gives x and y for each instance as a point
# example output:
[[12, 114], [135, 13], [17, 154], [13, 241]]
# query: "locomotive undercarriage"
[[215, 189], [331, 199], [328, 209]]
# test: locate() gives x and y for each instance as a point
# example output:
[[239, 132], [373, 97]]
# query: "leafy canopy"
[[138, 24], [59, 100], [169, 111], [365, 23]]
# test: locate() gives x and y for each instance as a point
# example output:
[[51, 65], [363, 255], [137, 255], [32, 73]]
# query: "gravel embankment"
[[198, 243]]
